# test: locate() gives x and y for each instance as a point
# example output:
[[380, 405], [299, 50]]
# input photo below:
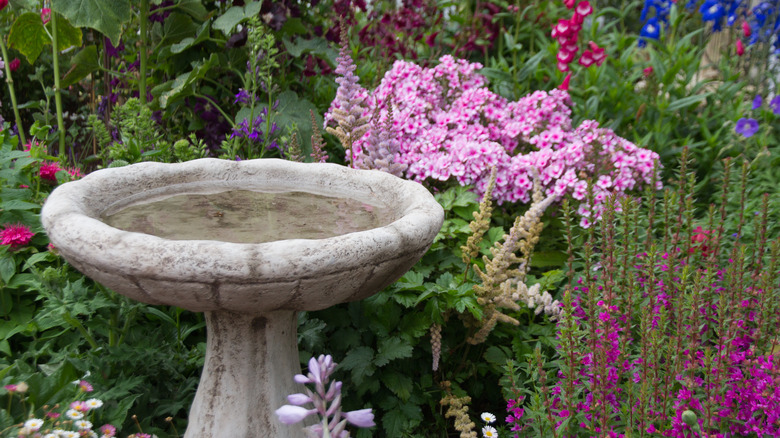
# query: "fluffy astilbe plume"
[[348, 109], [481, 222], [381, 146], [317, 144], [505, 271], [457, 407]]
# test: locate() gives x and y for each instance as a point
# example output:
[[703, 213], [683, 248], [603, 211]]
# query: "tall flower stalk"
[[10, 82]]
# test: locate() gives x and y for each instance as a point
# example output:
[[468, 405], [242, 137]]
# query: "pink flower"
[[740, 48], [48, 171], [15, 235], [584, 8], [85, 386], [746, 29], [108, 430], [45, 15], [10, 388], [79, 406], [3, 4], [14, 65]]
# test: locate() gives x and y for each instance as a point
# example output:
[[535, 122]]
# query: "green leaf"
[[84, 63], [16, 204], [106, 17], [186, 43], [194, 8], [400, 384], [37, 258], [183, 84], [7, 268], [497, 355], [177, 27], [28, 36], [316, 46], [236, 14], [546, 259], [359, 361], [295, 110], [67, 35], [391, 349], [686, 101]]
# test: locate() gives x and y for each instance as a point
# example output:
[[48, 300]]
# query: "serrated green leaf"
[[359, 361], [105, 16], [391, 349], [84, 63], [400, 384], [28, 36]]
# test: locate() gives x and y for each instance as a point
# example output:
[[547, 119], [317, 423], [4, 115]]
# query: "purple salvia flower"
[[242, 97]]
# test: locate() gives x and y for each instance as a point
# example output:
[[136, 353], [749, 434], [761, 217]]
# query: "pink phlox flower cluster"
[[15, 235], [449, 126]]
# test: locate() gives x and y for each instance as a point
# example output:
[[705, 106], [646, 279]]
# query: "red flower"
[[49, 171], [746, 29], [599, 55], [15, 235], [3, 4], [648, 71], [584, 8], [14, 65], [45, 15], [700, 236], [740, 48], [565, 84]]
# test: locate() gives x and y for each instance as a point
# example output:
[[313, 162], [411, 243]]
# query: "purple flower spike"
[[298, 399], [774, 104], [746, 127], [757, 101], [293, 414], [361, 418]]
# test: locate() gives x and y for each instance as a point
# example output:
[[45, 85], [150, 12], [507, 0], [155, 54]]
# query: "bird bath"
[[250, 244]]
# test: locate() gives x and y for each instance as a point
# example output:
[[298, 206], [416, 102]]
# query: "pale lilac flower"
[[293, 414], [774, 104], [298, 399], [361, 418]]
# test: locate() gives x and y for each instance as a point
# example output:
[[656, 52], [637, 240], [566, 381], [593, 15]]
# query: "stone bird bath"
[[228, 239]]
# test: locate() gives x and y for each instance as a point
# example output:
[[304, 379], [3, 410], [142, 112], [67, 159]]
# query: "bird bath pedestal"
[[250, 253]]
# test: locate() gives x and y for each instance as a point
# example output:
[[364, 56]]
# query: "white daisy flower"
[[487, 417], [94, 403], [33, 424], [51, 435], [73, 414], [69, 434], [83, 424], [489, 431]]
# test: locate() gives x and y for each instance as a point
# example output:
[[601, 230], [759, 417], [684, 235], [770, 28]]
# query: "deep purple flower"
[[757, 101], [242, 97], [747, 127], [774, 104]]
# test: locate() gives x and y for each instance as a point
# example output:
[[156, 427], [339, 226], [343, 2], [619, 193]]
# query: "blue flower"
[[757, 101], [651, 29], [712, 10], [774, 104], [746, 127]]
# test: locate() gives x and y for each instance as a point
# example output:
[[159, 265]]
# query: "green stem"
[[224, 114], [10, 82], [142, 68], [57, 94]]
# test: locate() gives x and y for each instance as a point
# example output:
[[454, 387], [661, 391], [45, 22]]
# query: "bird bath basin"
[[250, 244]]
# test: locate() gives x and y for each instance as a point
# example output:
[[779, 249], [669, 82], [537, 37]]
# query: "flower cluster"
[[254, 130], [515, 418], [448, 125], [655, 13], [747, 126], [15, 235], [567, 32], [53, 424], [488, 431], [327, 403]]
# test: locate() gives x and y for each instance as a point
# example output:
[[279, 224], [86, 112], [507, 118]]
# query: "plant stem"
[[224, 114], [142, 69], [10, 82], [57, 94]]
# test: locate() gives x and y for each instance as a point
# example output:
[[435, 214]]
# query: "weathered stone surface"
[[250, 292]]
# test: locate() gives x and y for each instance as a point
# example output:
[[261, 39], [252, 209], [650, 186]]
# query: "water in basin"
[[244, 216]]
